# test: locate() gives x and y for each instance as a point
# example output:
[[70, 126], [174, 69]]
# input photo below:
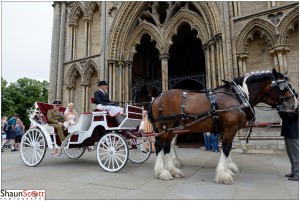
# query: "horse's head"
[[280, 94]]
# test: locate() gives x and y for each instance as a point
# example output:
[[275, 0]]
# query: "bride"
[[71, 116]]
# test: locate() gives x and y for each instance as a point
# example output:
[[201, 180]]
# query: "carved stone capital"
[[164, 56]]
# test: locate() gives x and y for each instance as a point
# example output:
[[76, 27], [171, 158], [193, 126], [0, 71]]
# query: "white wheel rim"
[[75, 153], [112, 152], [138, 153], [33, 147]]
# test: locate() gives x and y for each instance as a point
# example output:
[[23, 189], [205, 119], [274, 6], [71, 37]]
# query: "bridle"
[[279, 86]]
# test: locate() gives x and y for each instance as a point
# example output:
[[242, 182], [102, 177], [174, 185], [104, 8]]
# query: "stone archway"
[[162, 21]]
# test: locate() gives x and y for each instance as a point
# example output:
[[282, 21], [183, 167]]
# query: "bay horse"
[[226, 112]]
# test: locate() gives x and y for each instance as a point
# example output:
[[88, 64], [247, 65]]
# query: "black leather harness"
[[212, 97]]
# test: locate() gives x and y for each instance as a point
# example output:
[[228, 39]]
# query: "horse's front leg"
[[169, 163], [174, 156], [160, 170], [225, 167]]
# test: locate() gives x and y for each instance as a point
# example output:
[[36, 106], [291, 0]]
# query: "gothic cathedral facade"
[[144, 48]]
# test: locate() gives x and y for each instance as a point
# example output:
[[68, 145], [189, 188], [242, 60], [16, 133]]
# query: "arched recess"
[[127, 13], [256, 25], [288, 24], [71, 74], [89, 67], [90, 6], [206, 12], [75, 12], [189, 17], [90, 79], [136, 36], [73, 86], [210, 13]]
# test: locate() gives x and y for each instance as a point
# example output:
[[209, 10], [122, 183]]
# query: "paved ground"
[[260, 177]]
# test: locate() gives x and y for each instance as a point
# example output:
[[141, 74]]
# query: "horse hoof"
[[224, 179], [165, 175], [177, 173], [178, 176]]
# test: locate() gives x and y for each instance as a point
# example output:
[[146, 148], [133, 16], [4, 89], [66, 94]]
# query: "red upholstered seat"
[[44, 107], [93, 101]]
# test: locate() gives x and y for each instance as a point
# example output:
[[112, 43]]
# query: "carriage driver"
[[102, 100], [56, 119]]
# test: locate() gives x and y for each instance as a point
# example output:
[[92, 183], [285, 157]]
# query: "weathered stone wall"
[[250, 7], [293, 58], [95, 42], [259, 58]]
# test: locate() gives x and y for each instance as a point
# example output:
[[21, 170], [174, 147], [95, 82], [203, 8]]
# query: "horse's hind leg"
[[174, 156]]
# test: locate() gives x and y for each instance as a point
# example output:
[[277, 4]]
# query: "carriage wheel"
[[75, 153], [33, 147], [112, 152], [138, 153]]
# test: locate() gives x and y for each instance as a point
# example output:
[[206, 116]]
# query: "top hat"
[[56, 102], [102, 83]]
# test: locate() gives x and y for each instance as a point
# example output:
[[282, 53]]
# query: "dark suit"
[[290, 131], [101, 98]]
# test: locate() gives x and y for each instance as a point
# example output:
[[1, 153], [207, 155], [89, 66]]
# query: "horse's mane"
[[258, 76]]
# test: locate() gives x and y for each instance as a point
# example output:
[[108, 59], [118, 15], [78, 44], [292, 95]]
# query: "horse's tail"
[[150, 113]]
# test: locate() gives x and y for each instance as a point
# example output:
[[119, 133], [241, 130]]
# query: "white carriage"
[[116, 142]]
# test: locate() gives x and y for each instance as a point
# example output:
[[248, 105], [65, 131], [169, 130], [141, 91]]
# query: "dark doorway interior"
[[186, 53], [187, 58], [146, 68]]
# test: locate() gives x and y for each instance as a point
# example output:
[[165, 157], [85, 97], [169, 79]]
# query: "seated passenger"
[[102, 100], [71, 116], [56, 119]]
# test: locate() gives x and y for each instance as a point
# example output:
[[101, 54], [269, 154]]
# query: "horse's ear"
[[286, 73], [275, 73]]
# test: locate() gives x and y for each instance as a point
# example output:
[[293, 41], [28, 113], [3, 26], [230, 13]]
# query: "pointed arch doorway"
[[146, 72], [187, 71]]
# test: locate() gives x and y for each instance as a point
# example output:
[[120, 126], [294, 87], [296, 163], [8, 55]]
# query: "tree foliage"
[[19, 97]]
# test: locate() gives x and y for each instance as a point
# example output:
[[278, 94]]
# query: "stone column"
[[86, 32], [279, 55], [120, 80], [206, 49], [114, 80], [110, 79], [127, 81], [244, 58], [61, 51], [54, 53], [130, 80], [83, 97], [103, 41], [213, 65], [87, 97], [72, 94], [218, 62], [164, 71]]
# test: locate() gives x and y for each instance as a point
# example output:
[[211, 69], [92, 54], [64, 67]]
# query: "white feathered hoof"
[[177, 163], [165, 175], [224, 178], [177, 173], [233, 167]]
